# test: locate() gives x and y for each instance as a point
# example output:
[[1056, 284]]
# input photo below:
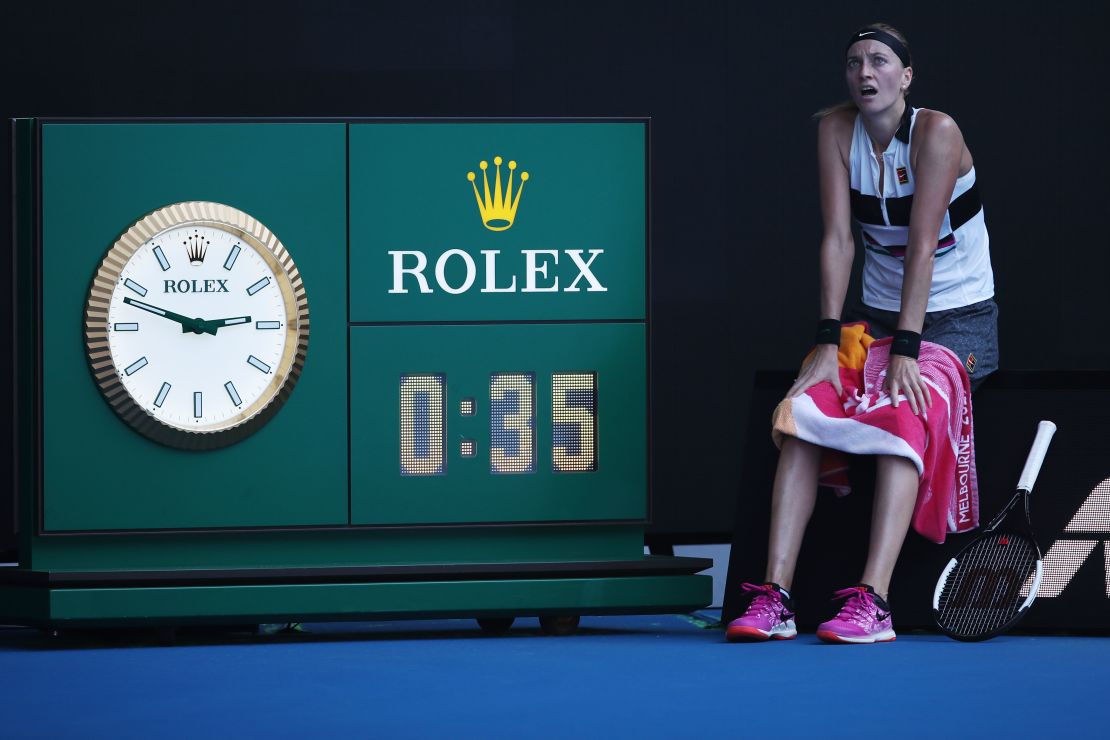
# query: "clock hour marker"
[[125, 327], [230, 388], [162, 395], [258, 286], [252, 360], [231, 257], [198, 404], [267, 325], [135, 287], [165, 263], [135, 366]]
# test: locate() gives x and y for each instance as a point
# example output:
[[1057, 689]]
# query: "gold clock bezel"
[[106, 373]]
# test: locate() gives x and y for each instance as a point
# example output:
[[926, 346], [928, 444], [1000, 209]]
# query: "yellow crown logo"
[[499, 210]]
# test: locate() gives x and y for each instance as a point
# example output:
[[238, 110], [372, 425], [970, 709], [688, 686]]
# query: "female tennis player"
[[907, 178]]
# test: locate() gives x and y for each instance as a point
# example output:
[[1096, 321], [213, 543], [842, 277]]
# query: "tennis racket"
[[988, 587]]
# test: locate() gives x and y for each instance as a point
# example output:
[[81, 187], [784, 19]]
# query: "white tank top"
[[962, 272]]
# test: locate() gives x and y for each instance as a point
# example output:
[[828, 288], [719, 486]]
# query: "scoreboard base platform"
[[81, 599]]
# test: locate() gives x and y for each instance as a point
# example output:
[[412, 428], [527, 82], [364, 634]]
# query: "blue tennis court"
[[635, 676]]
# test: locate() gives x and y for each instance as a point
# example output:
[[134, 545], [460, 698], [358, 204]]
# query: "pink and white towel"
[[940, 443]]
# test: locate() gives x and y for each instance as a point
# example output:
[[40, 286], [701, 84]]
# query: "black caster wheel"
[[560, 626], [495, 625]]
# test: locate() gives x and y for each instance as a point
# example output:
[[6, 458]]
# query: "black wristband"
[[906, 343], [828, 332]]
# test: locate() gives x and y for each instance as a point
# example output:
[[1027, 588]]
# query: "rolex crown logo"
[[498, 210], [196, 246]]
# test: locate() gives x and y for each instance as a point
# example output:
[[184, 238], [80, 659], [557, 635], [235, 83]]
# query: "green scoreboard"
[[328, 369]]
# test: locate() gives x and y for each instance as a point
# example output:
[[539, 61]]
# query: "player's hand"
[[904, 377], [820, 366]]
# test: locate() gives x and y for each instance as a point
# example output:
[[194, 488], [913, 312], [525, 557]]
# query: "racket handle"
[[1045, 430]]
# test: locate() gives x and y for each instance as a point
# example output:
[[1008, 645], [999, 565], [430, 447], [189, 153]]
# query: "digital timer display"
[[512, 423], [498, 423]]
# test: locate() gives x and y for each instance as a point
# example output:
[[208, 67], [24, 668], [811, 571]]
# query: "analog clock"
[[196, 325]]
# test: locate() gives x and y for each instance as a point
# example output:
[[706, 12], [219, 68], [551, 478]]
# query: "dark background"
[[730, 88]]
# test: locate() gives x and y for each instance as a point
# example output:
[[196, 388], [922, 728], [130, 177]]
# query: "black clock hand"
[[187, 324]]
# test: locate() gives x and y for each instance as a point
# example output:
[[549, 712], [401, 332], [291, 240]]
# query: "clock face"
[[197, 325]]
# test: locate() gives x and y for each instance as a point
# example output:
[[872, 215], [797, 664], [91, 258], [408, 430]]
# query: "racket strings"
[[995, 604], [983, 597], [983, 591], [1004, 605]]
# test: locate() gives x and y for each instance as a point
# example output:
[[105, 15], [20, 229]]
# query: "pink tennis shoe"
[[769, 616], [863, 618]]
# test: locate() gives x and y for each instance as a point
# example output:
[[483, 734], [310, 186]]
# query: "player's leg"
[[896, 483], [864, 614], [770, 612], [792, 500]]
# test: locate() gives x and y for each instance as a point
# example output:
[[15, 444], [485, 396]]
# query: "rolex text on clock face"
[[205, 326]]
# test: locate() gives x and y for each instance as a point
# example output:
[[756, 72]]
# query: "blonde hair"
[[848, 105]]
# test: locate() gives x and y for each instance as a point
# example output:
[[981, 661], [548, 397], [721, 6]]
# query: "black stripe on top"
[[964, 208], [867, 209]]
